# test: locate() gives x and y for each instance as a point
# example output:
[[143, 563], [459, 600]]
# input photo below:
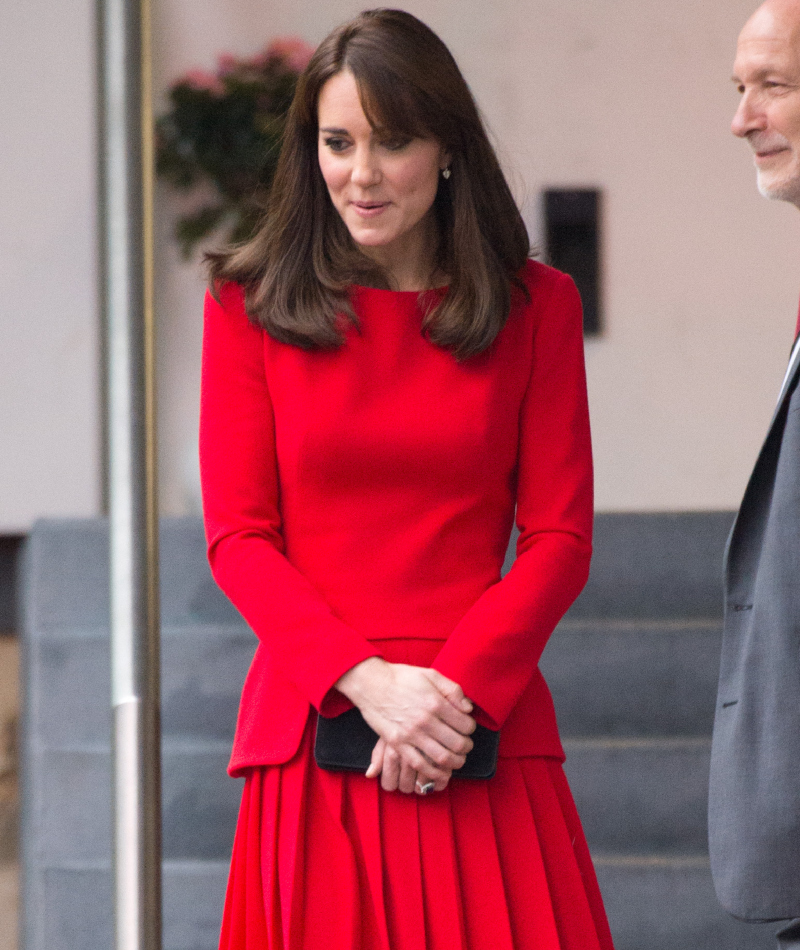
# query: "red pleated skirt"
[[329, 861]]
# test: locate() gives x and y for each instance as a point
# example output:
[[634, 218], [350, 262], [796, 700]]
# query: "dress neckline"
[[363, 290]]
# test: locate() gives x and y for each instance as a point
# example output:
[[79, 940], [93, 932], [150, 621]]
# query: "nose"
[[749, 117], [366, 168]]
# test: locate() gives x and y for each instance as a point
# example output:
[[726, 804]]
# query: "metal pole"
[[126, 203]]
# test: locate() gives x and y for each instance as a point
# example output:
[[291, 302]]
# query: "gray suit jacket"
[[754, 799]]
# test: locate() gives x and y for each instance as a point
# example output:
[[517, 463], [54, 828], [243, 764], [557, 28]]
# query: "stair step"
[[66, 576], [656, 565], [669, 904], [642, 796], [71, 805], [202, 670], [634, 677], [633, 671], [633, 796], [666, 904], [78, 899], [660, 565]]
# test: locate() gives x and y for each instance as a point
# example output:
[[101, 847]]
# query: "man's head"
[[767, 74]]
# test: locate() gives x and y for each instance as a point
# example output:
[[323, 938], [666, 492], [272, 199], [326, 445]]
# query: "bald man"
[[754, 799]]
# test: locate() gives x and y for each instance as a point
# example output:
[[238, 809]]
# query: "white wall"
[[49, 380], [701, 275]]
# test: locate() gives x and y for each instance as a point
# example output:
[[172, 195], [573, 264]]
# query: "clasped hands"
[[422, 717]]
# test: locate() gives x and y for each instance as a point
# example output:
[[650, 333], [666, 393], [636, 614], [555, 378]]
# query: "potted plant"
[[220, 139]]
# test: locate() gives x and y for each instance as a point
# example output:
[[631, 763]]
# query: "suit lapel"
[[791, 374], [763, 474]]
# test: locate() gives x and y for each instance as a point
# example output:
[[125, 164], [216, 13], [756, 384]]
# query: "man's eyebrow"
[[763, 72]]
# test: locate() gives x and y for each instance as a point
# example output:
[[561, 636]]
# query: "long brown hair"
[[297, 268]]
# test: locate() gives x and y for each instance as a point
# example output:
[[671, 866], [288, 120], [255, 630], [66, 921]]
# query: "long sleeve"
[[241, 498], [494, 650]]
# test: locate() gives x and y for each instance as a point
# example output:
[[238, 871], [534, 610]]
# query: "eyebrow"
[[331, 131], [763, 73]]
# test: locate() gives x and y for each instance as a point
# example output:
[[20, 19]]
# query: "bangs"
[[389, 101]]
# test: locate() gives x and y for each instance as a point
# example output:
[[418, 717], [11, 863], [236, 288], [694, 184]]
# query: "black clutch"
[[345, 743]]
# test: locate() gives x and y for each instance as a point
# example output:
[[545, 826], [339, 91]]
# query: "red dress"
[[358, 502]]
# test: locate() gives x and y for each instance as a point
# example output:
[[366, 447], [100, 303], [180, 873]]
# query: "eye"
[[396, 143], [335, 143]]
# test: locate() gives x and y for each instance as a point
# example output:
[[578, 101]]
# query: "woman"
[[385, 377]]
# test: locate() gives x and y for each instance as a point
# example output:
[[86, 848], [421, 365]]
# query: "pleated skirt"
[[329, 861]]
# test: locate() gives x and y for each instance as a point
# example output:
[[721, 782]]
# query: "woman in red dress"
[[387, 380]]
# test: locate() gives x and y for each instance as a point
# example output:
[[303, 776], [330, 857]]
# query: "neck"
[[410, 264]]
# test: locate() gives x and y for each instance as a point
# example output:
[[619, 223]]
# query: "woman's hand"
[[395, 775], [421, 716]]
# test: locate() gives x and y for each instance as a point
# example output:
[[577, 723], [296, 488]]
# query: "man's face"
[[767, 75]]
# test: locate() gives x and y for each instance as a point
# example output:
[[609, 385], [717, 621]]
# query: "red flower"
[[202, 79], [294, 52], [226, 64]]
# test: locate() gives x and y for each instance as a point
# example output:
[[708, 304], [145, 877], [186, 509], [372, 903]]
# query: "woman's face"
[[382, 186]]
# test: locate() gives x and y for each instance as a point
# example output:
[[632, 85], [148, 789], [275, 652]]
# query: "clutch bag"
[[345, 743]]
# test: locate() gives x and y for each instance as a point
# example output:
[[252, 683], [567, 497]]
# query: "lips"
[[765, 146], [764, 156], [369, 209]]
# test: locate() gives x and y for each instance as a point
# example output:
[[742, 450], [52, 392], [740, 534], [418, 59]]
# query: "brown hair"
[[297, 268]]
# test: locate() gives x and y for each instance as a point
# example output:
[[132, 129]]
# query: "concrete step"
[[657, 566], [654, 566], [634, 796], [641, 796], [669, 904], [665, 904], [65, 577], [202, 670], [634, 677], [70, 806], [626, 678], [78, 903], [633, 671]]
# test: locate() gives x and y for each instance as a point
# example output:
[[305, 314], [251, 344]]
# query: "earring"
[[445, 173]]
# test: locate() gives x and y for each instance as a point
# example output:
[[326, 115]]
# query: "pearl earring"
[[445, 173]]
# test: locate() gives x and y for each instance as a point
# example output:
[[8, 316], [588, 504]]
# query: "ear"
[[445, 158]]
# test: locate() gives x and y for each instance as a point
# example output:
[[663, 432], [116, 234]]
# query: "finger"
[[441, 759], [450, 739], [426, 786], [445, 725], [424, 768], [407, 779], [450, 690], [390, 772], [441, 784], [441, 708], [376, 761], [436, 716], [433, 717]]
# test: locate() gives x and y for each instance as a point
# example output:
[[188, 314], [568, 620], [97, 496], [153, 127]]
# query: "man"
[[754, 802]]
